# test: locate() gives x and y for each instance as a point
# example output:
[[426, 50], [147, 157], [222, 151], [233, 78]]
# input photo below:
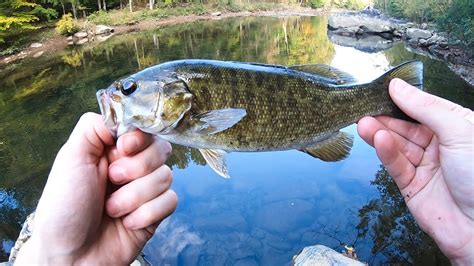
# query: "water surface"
[[276, 202]]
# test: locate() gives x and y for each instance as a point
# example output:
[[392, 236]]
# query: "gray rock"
[[69, 38], [322, 256], [369, 24], [36, 45], [397, 33], [414, 33], [424, 26], [80, 35], [38, 54], [82, 41], [410, 25], [423, 42], [103, 30], [216, 14]]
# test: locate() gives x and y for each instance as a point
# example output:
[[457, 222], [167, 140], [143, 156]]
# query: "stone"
[[368, 24], [70, 43], [415, 33], [397, 33], [103, 30], [38, 54], [69, 38], [80, 35], [423, 42], [216, 14], [413, 43], [424, 26], [323, 256], [82, 41], [36, 45], [410, 25]]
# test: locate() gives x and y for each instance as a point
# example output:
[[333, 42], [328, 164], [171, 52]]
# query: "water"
[[276, 202]]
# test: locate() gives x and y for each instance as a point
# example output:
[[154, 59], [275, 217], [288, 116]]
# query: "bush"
[[66, 25]]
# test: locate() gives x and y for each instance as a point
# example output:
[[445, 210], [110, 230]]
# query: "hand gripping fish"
[[218, 106]]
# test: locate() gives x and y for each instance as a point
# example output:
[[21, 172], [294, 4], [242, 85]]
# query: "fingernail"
[[129, 223], [130, 144], [118, 173], [400, 86]]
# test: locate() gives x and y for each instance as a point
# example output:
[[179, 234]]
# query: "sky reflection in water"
[[275, 203]]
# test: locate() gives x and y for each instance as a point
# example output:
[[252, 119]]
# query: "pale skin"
[[102, 201], [80, 221], [432, 164]]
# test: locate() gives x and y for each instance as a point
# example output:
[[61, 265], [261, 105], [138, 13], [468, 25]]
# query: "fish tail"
[[412, 73]]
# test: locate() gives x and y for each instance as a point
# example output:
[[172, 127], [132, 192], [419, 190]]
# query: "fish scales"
[[294, 115], [218, 106]]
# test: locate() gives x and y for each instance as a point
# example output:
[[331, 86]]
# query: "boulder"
[[415, 33], [423, 42], [322, 256], [38, 54], [368, 24], [216, 14], [103, 30], [80, 35], [69, 39], [36, 45]]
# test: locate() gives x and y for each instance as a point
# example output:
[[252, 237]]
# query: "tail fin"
[[412, 73]]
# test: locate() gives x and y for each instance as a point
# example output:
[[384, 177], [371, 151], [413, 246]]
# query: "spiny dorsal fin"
[[215, 121], [334, 148], [216, 160], [339, 76]]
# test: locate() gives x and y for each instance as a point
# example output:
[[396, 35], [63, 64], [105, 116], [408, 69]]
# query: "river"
[[276, 203]]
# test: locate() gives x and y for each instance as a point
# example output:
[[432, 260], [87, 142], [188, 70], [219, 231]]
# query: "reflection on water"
[[275, 204]]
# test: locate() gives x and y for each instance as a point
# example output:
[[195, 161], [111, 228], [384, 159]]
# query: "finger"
[[131, 196], [394, 161], [448, 120], [369, 126], [418, 134], [133, 142], [152, 211], [89, 136], [129, 168]]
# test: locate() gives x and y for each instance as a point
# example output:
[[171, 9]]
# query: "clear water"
[[276, 202]]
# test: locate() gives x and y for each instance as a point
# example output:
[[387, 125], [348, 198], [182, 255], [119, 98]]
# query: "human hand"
[[432, 164], [101, 202]]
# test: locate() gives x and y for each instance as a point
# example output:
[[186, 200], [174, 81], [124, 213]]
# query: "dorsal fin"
[[339, 76], [334, 148]]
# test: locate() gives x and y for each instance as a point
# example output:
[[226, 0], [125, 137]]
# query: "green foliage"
[[453, 16], [66, 25]]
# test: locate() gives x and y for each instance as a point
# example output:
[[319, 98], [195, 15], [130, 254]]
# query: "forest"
[[20, 17]]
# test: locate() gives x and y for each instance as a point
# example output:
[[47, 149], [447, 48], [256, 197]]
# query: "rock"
[[82, 41], [36, 45], [444, 44], [415, 33], [38, 54], [423, 42], [216, 14], [80, 35], [69, 38], [368, 24], [70, 43], [322, 256], [397, 33], [103, 30], [102, 38], [424, 26], [413, 43], [410, 25]]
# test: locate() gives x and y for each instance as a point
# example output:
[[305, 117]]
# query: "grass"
[[122, 17]]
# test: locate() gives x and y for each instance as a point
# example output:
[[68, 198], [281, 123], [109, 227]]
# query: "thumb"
[[447, 119]]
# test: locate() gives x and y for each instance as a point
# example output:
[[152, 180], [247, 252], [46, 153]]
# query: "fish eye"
[[127, 87]]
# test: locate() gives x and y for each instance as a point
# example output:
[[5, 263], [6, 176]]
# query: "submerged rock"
[[370, 43], [322, 256]]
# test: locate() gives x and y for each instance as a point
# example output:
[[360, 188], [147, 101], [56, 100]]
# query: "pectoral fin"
[[217, 120], [216, 160], [334, 148]]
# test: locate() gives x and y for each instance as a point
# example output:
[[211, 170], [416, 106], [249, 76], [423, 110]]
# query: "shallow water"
[[276, 202]]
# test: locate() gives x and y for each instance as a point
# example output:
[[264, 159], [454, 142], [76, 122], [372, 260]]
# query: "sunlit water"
[[276, 203]]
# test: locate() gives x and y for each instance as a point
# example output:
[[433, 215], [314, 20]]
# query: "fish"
[[226, 106]]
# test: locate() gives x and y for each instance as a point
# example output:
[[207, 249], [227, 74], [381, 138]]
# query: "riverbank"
[[459, 58]]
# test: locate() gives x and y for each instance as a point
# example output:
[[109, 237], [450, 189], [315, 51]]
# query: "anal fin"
[[334, 148], [216, 160]]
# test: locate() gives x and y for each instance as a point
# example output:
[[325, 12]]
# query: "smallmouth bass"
[[220, 106]]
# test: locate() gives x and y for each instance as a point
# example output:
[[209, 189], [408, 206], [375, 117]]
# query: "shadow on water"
[[276, 204]]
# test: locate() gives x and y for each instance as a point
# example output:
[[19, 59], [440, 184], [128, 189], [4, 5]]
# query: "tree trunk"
[[74, 10], [99, 6], [130, 4], [64, 8], [104, 5], [152, 3], [121, 5]]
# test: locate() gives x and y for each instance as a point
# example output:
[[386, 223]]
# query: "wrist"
[[35, 251]]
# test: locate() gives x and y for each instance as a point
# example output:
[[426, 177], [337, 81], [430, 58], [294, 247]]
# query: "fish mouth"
[[107, 110]]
